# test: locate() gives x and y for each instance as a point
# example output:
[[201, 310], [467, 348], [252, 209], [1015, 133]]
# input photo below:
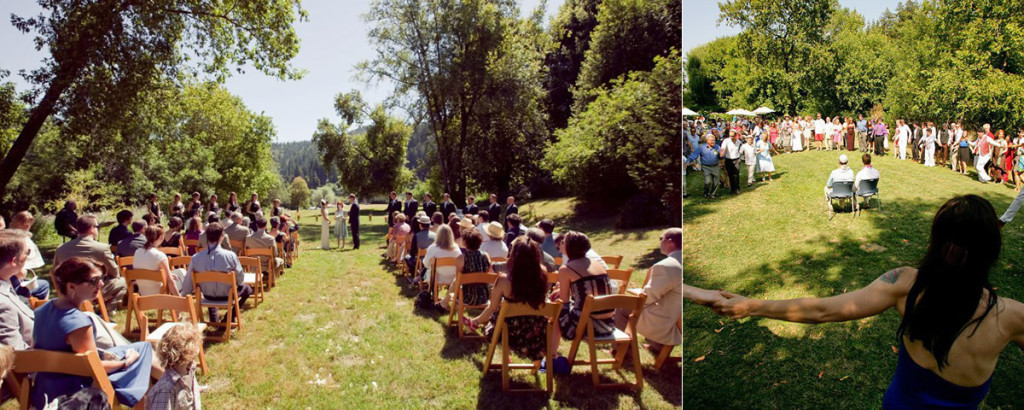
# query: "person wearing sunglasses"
[[61, 327]]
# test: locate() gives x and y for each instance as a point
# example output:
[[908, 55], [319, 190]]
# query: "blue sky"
[[333, 41], [700, 19]]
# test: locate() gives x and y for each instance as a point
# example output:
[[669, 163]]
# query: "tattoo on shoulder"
[[893, 275]]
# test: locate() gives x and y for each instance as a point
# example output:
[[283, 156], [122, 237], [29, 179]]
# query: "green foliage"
[[371, 163], [107, 57], [569, 33], [628, 36], [301, 158], [623, 142], [326, 193], [298, 193]]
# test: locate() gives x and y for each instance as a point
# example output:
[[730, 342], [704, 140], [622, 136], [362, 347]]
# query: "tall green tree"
[[105, 54], [371, 163], [628, 36], [777, 41], [570, 33], [298, 193]]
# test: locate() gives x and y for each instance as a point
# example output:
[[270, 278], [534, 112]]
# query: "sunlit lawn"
[[775, 241], [340, 331]]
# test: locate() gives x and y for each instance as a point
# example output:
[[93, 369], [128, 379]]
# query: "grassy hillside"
[[775, 241]]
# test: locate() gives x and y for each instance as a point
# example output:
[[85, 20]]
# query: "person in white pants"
[[985, 143], [902, 136], [929, 147], [750, 158]]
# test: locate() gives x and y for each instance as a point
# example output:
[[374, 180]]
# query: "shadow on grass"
[[696, 206], [766, 363]]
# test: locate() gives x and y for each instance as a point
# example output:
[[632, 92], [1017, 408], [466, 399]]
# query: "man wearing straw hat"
[[495, 246]]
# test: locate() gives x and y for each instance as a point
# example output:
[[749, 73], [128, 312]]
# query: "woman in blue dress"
[[954, 326], [340, 224], [60, 326]]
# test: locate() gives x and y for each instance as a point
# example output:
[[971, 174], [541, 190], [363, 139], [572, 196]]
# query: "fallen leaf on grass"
[[894, 349], [821, 374], [700, 358], [844, 378], [719, 330]]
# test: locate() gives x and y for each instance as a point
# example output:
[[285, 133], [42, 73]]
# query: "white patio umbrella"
[[688, 112], [740, 111], [763, 110]]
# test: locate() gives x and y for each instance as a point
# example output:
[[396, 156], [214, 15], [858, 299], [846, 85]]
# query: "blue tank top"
[[914, 387]]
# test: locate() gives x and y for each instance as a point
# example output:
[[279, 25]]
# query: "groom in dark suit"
[[353, 219]]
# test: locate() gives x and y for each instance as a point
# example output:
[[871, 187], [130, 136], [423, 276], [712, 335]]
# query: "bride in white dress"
[[325, 226]]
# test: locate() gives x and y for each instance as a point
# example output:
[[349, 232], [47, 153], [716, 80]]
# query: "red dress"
[[849, 137]]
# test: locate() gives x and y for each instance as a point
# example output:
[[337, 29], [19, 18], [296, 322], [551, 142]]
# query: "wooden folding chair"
[[622, 341], [253, 277], [463, 279], [176, 304], [441, 263], [295, 244], [179, 262], [266, 256], [664, 355], [87, 306], [76, 364], [405, 250], [419, 264], [637, 291], [130, 278], [558, 262], [193, 243], [622, 276], [170, 250], [612, 261], [227, 278], [508, 309], [34, 303], [123, 262], [283, 255], [498, 260], [238, 246]]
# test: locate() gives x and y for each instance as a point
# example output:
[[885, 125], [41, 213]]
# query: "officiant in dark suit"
[[353, 220]]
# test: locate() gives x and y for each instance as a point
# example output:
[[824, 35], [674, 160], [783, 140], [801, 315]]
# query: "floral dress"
[[526, 334]]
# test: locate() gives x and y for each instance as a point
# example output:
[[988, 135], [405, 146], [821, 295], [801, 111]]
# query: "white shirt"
[[148, 259], [868, 172], [748, 154], [819, 126], [494, 248], [903, 132], [35, 258], [445, 274], [729, 149], [841, 174]]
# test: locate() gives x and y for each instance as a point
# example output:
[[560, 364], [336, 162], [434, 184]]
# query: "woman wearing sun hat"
[[495, 246]]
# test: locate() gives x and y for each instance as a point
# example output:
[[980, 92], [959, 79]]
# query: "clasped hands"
[[722, 302]]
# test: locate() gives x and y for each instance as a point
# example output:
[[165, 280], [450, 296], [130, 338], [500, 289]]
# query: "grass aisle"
[[340, 331], [775, 241]]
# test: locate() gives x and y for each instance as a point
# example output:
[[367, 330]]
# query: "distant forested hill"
[[301, 158]]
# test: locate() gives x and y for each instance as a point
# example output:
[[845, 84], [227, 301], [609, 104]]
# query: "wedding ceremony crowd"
[[181, 259], [713, 145], [177, 260]]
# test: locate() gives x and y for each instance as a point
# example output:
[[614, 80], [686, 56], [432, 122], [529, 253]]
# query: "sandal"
[[470, 324]]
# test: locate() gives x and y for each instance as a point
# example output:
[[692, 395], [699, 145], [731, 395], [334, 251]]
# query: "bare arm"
[[704, 297], [501, 287], [81, 341], [882, 294]]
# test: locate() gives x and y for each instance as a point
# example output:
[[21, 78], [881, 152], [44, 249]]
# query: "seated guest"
[[65, 220], [436, 220], [122, 230], [172, 238], [237, 231], [578, 277], [421, 240], [16, 318], [150, 258], [224, 241], [526, 283], [484, 219], [23, 222], [443, 247], [61, 327], [841, 174], [148, 219], [275, 230], [495, 246], [591, 254], [128, 246], [664, 304], [473, 261], [515, 229], [218, 259], [85, 245], [537, 235], [194, 231], [868, 172], [289, 226], [454, 224], [178, 388], [262, 240], [548, 246]]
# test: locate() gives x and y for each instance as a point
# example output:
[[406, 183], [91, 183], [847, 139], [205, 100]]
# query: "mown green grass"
[[346, 318], [775, 241]]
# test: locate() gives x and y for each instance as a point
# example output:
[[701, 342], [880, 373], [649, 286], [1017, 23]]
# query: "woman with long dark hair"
[[953, 327]]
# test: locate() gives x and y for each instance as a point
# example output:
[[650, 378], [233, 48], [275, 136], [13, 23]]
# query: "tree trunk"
[[12, 160]]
